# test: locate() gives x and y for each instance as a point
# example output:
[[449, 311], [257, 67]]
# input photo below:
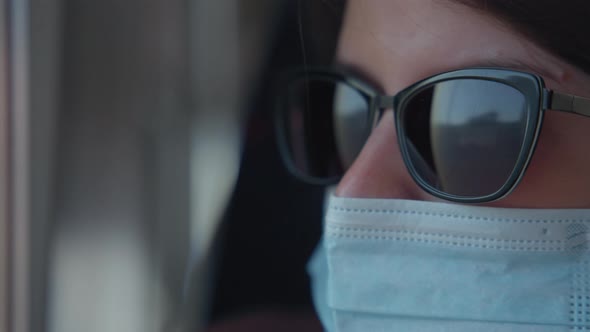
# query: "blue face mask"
[[396, 265]]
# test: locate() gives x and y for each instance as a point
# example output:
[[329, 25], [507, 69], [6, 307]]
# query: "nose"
[[379, 170]]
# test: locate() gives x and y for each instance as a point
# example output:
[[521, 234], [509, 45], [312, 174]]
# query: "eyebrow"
[[358, 72], [553, 100], [518, 65], [557, 101], [501, 63]]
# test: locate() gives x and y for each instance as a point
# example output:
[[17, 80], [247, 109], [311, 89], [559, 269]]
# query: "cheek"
[[559, 173]]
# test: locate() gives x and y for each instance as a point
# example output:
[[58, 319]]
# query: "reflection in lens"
[[465, 136], [325, 126]]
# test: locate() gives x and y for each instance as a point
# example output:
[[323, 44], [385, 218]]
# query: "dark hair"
[[560, 27], [319, 24]]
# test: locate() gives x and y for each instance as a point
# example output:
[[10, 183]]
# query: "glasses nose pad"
[[379, 170]]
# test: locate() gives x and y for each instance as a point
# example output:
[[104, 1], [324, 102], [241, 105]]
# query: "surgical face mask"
[[398, 265]]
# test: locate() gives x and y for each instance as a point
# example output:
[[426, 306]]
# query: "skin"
[[398, 42]]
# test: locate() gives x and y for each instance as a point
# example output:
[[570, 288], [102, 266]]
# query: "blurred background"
[[140, 184]]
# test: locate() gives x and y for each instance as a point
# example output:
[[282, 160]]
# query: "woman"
[[399, 253]]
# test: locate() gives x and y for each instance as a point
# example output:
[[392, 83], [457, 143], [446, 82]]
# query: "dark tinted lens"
[[325, 126], [464, 137]]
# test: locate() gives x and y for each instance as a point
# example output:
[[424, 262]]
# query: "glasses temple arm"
[[558, 101]]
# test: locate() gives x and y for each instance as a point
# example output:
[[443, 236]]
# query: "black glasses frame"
[[538, 100]]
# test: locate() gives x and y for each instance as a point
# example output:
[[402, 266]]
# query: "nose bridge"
[[379, 105], [385, 102], [379, 171]]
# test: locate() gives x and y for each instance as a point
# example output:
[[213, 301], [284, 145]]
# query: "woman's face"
[[399, 42]]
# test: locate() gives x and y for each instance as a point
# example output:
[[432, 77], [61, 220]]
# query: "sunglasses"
[[465, 136]]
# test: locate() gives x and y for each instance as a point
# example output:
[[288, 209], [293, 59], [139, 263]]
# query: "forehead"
[[398, 42]]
